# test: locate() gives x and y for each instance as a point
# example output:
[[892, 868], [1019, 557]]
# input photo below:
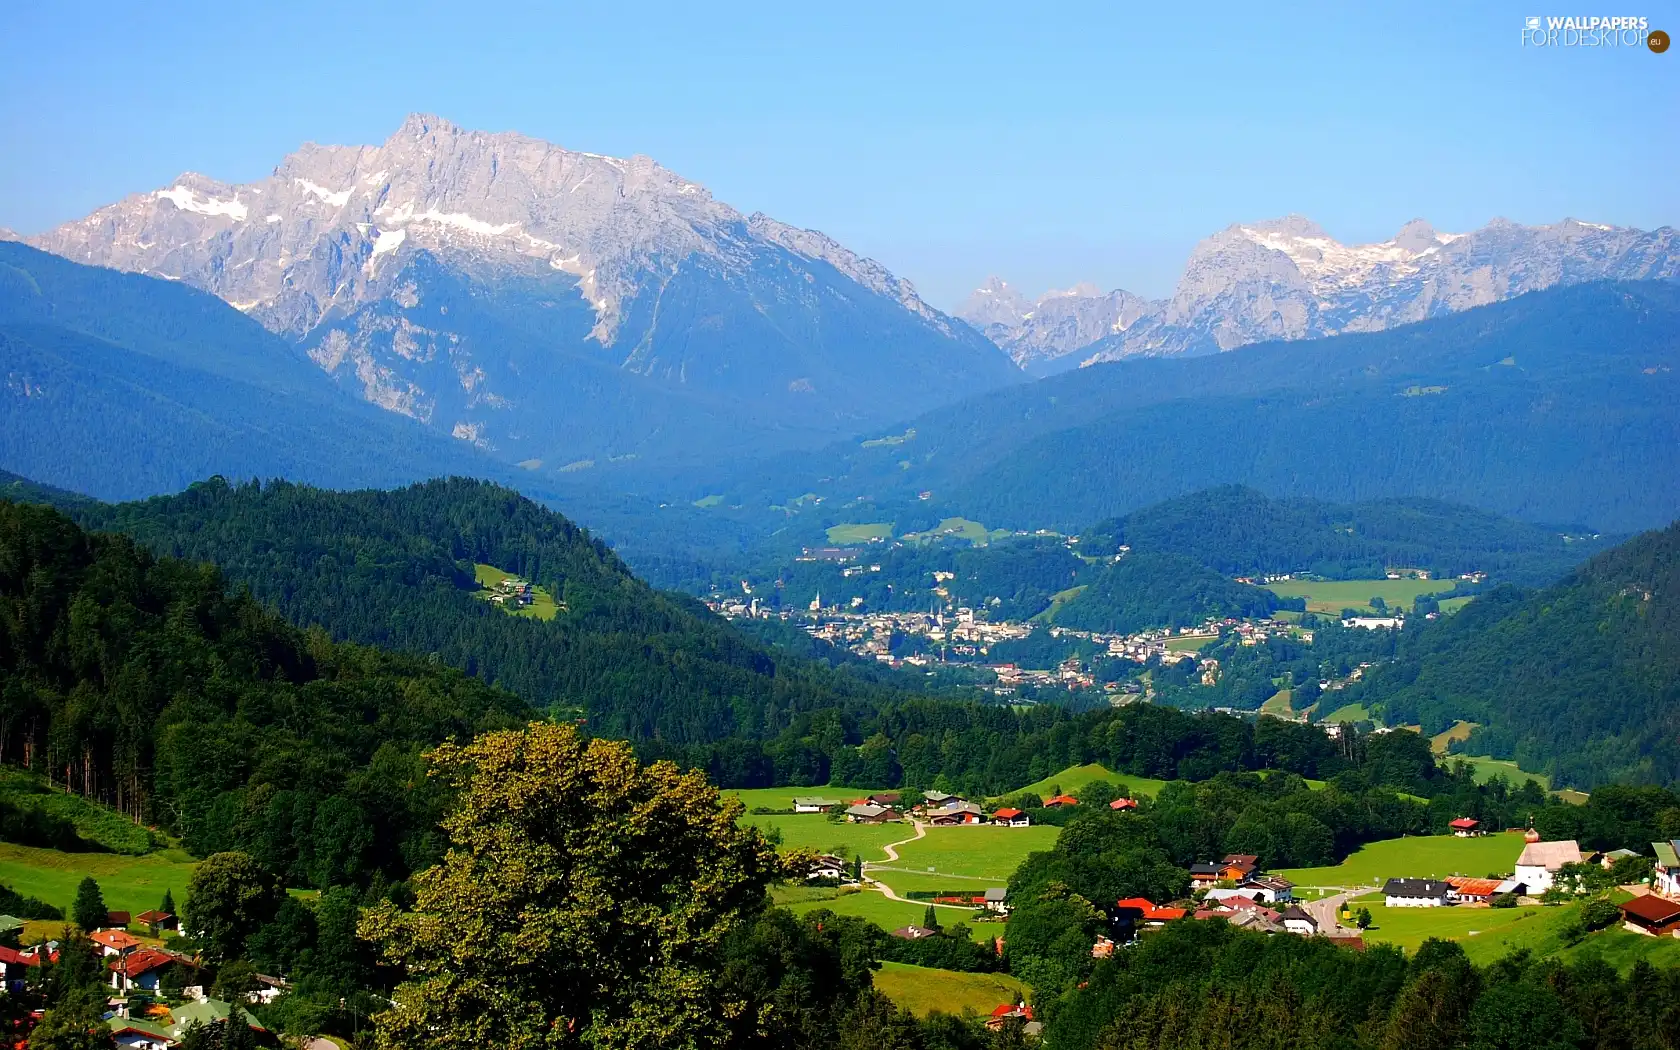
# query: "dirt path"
[[891, 850]]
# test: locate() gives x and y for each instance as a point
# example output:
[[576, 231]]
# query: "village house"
[[157, 920], [829, 867], [864, 813], [1009, 1012], [956, 813], [1058, 801], [1472, 891], [1123, 803], [1538, 865], [114, 942], [1666, 877], [1269, 888], [1466, 827], [1651, 915], [1296, 920], [936, 799], [1011, 817], [1415, 893], [997, 900], [1608, 858], [11, 930], [912, 932], [144, 969], [887, 799], [1140, 911], [812, 804]]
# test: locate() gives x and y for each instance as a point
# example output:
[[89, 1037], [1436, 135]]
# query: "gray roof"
[[1415, 888], [996, 893]]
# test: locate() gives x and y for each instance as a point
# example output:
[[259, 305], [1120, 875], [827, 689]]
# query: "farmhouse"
[[144, 969], [1269, 888], [889, 799], [1123, 803], [1466, 827], [997, 900], [157, 920], [1472, 891], [1010, 817], [1415, 893], [864, 813], [956, 813], [829, 867], [812, 804], [1667, 875], [1539, 862], [912, 932], [1058, 801], [1652, 915], [1139, 909], [115, 942]]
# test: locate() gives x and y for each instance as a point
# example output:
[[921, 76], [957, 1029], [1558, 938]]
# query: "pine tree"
[[89, 911], [930, 919], [168, 905]]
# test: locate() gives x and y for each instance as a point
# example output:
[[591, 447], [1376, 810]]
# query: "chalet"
[[935, 799], [141, 1033], [1058, 801], [1123, 803], [144, 969], [997, 900], [1239, 866], [1295, 919], [1608, 859], [812, 804], [1472, 891], [1666, 878], [114, 942], [956, 813], [1466, 827], [14, 967], [864, 813], [1269, 888], [912, 932], [1415, 893], [1204, 875], [1010, 817], [117, 919], [1538, 865], [1221, 896], [887, 799], [1002, 1015], [157, 920], [207, 1012], [829, 867], [1651, 915]]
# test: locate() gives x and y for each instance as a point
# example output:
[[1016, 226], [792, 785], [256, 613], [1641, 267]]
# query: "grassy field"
[[1489, 934], [890, 914], [1057, 600], [1332, 596], [782, 798], [923, 991], [1348, 713], [133, 884], [542, 607], [1487, 768], [1072, 779], [93, 822], [1423, 856], [989, 853], [1190, 643], [847, 535], [1459, 731], [813, 831], [957, 528], [1279, 704]]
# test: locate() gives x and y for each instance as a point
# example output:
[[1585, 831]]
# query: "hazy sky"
[[1046, 143]]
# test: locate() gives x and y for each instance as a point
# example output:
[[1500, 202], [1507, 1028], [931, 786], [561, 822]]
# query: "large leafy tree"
[[584, 902], [229, 899]]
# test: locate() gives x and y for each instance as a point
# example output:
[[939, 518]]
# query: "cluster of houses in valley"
[[936, 808], [139, 971]]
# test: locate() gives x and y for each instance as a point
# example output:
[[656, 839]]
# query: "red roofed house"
[[1123, 803], [1011, 817], [1652, 915], [115, 942], [1057, 801], [1473, 891], [1148, 912], [1466, 827], [1007, 1012], [157, 920], [144, 968]]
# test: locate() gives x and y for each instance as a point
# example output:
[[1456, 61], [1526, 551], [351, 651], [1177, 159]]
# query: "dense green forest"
[[1147, 588], [141, 683], [395, 569], [1581, 679], [1237, 531]]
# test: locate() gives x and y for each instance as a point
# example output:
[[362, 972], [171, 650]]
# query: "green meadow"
[[542, 607], [887, 914], [985, 852], [923, 991], [1420, 856], [852, 534], [1332, 596], [1073, 778], [132, 884]]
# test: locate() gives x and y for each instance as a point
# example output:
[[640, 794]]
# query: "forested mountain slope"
[[120, 386], [1149, 588], [1239, 531], [1581, 679], [1559, 406], [396, 568], [142, 683]]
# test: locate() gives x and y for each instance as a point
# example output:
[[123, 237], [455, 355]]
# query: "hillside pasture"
[[1073, 778], [542, 607], [923, 991], [1419, 856], [131, 884], [1332, 596], [853, 534]]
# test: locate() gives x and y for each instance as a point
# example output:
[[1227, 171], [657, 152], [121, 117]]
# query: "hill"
[[1557, 406], [142, 683], [398, 569], [1241, 532], [1150, 589], [1580, 680], [124, 386]]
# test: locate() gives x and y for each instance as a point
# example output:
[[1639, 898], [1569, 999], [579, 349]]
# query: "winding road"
[[891, 850]]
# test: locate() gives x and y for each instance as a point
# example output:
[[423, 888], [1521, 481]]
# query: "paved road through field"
[[891, 850]]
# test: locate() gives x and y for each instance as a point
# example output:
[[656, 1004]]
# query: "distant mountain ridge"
[[1288, 279], [549, 305]]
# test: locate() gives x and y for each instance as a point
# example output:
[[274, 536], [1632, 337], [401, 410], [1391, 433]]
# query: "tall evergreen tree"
[[89, 911]]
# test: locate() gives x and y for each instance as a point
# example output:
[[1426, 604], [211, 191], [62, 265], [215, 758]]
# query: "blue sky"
[[1045, 143]]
